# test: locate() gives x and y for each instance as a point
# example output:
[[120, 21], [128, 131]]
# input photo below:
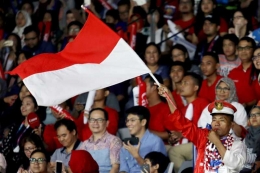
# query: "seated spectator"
[[242, 75], [22, 20], [180, 53], [33, 44], [28, 145], [256, 62], [103, 146], [178, 70], [67, 136], [229, 59], [209, 66], [152, 56], [242, 25], [132, 157], [252, 139], [85, 164], [39, 161], [28, 6], [182, 149], [158, 109], [157, 162], [225, 90], [213, 41]]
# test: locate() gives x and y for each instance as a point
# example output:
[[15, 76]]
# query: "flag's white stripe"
[[120, 65]]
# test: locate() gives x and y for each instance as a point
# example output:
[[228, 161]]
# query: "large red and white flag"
[[96, 59]]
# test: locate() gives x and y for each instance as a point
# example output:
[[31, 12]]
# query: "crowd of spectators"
[[224, 64]]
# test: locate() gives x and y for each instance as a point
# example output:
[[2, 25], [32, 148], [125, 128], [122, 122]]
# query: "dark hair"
[[140, 111], [31, 28], [250, 40], [196, 78], [192, 2], [54, 19], [100, 109], [33, 100], [77, 23], [27, 54], [180, 63], [47, 157], [231, 37], [123, 2], [153, 44], [26, 2], [69, 124], [246, 16], [152, 81], [213, 55], [113, 13], [159, 158], [19, 43], [185, 51]]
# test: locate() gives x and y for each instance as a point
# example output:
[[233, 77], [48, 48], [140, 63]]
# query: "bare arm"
[[115, 168], [162, 135]]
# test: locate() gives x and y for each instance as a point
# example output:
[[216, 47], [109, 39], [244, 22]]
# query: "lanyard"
[[20, 128], [209, 48]]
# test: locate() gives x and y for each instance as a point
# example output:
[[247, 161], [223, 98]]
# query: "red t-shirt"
[[158, 114], [178, 100], [256, 86], [198, 106], [112, 128], [245, 91], [208, 92], [185, 24], [50, 138]]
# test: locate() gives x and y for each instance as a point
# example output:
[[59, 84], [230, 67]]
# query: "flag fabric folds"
[[96, 59]]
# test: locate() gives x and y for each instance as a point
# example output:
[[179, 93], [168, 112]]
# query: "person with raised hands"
[[218, 150]]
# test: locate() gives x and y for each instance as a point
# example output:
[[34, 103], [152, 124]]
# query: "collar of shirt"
[[242, 69], [103, 138], [74, 147]]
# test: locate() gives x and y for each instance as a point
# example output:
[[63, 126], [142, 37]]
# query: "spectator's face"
[[245, 50], [153, 169], [21, 58], [178, 55], [31, 39], [123, 12], [256, 58], [24, 92], [65, 137], [177, 73], [28, 8], [134, 124], [188, 87], [28, 149], [97, 122], [110, 20], [229, 48], [151, 55], [101, 95], [222, 124], [238, 19], [74, 30], [208, 66], [207, 6], [185, 6], [28, 106], [255, 117], [20, 20], [47, 17], [39, 166], [222, 91], [70, 17], [150, 89], [209, 28]]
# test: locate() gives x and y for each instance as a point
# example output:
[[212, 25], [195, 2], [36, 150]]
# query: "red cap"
[[221, 107], [33, 120], [82, 162]]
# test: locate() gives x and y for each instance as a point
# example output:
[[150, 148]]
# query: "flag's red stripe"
[[92, 45]]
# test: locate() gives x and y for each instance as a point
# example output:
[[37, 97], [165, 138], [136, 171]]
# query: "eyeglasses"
[[34, 160], [28, 39], [99, 120], [247, 48], [257, 57], [26, 150], [225, 89], [254, 115], [131, 120]]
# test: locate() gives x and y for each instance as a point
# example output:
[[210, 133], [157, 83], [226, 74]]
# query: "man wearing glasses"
[[103, 146], [242, 75], [132, 156]]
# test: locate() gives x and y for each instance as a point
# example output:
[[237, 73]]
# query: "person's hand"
[[174, 137], [231, 30], [133, 150], [163, 90], [52, 167], [38, 131], [10, 99], [213, 137]]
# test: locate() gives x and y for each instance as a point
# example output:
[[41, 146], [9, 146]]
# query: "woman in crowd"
[[151, 57], [256, 61], [39, 162], [252, 139], [16, 133], [226, 91], [28, 145], [180, 53], [22, 20]]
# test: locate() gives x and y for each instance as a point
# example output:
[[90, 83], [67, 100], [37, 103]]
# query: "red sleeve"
[[48, 137], [113, 121], [223, 26]]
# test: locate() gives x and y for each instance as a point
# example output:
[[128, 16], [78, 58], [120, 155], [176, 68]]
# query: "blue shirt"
[[149, 143], [162, 71], [42, 47]]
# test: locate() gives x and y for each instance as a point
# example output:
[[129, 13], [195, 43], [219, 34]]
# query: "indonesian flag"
[[96, 59], [142, 99]]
